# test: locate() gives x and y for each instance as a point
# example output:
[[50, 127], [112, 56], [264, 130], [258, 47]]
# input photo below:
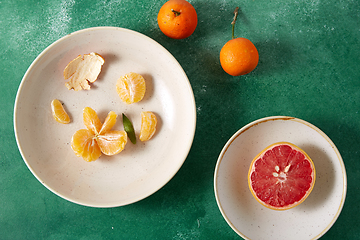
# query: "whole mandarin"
[[177, 19], [239, 56]]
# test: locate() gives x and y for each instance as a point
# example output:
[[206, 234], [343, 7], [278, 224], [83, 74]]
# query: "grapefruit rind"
[[252, 166]]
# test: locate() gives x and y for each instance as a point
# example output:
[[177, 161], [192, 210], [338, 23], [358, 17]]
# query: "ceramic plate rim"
[[170, 57], [275, 118]]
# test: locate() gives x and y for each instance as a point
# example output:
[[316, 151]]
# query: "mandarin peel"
[[82, 71]]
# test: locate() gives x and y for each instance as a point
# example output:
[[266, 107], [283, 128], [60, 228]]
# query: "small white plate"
[[248, 218], [140, 169]]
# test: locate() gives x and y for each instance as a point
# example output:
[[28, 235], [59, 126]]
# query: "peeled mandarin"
[[131, 87], [91, 120], [148, 125], [112, 142], [98, 138], [84, 145], [58, 112]]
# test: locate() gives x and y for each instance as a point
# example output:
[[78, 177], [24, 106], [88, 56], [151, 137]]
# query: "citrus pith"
[[281, 176]]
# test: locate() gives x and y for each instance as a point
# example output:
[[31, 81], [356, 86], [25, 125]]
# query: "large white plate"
[[312, 218], [140, 169]]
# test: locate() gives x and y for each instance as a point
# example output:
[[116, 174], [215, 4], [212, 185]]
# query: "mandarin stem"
[[177, 13], [236, 13]]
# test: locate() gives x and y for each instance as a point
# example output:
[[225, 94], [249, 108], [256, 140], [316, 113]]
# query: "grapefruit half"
[[281, 176]]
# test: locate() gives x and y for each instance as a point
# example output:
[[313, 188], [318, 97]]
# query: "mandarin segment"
[[98, 138], [58, 112], [148, 125], [84, 145], [131, 87], [109, 122], [91, 120], [112, 142]]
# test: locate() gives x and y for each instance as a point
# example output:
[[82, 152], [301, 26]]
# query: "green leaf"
[[129, 129]]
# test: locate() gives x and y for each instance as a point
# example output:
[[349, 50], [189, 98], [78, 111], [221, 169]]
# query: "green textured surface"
[[309, 68]]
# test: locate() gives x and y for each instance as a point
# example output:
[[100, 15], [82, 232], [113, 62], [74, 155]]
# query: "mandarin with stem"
[[238, 56]]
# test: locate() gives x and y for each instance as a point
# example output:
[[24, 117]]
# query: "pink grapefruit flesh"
[[281, 176]]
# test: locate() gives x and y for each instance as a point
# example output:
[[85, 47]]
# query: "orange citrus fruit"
[[112, 142], [58, 112], [84, 144], [148, 125], [109, 122], [131, 87], [281, 176], [239, 56], [91, 120], [177, 19], [97, 138]]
